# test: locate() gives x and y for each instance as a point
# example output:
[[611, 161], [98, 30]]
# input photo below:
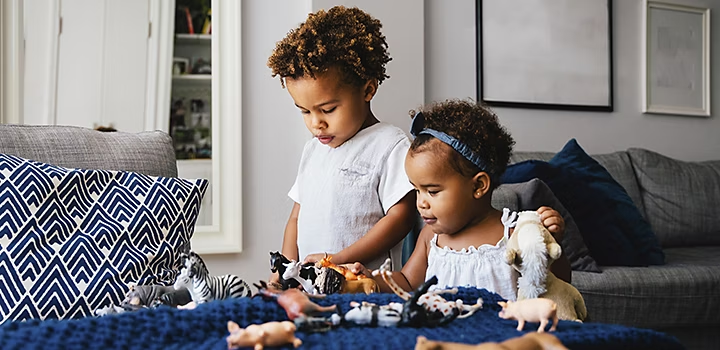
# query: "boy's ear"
[[370, 89], [482, 184]]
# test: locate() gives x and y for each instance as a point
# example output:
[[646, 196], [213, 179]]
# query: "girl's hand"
[[554, 222]]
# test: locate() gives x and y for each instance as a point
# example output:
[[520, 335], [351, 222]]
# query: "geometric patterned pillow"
[[71, 239]]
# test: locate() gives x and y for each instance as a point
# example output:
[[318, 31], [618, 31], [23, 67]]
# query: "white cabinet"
[[110, 63], [102, 64]]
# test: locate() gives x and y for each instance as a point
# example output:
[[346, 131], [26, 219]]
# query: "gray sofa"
[[681, 201], [150, 153]]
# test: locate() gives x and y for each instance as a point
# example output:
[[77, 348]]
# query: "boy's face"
[[333, 110], [444, 197]]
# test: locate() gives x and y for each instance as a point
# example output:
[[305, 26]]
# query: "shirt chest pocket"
[[356, 175]]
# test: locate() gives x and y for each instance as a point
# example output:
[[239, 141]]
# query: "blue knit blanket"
[[206, 328]]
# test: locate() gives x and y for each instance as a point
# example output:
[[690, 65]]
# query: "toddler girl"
[[352, 196], [459, 153]]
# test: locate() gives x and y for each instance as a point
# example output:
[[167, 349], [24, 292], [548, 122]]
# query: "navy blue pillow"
[[611, 225]]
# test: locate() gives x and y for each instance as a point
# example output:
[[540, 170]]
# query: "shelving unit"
[[190, 122]]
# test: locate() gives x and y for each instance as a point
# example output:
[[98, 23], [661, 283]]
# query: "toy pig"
[[267, 334], [531, 310]]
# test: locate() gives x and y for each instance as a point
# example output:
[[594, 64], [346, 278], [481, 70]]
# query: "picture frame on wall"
[[545, 54], [676, 59]]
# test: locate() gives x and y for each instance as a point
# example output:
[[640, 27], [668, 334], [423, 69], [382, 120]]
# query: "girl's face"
[[445, 198], [334, 111]]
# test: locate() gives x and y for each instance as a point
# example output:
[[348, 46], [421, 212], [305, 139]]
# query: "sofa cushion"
[[681, 293], [611, 225], [681, 198], [618, 164], [71, 240], [534, 194], [149, 152]]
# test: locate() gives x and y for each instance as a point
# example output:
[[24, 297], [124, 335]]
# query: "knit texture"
[[206, 328]]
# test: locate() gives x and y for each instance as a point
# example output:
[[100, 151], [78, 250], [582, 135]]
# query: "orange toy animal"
[[267, 334], [295, 302], [529, 341], [353, 283]]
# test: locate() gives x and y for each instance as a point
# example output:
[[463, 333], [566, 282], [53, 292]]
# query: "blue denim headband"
[[418, 128]]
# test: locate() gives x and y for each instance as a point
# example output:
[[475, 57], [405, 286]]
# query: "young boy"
[[352, 197]]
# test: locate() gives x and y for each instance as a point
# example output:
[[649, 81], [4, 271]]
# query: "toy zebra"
[[202, 287]]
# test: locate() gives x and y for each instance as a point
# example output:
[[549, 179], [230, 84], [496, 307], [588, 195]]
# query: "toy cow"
[[531, 310], [267, 334]]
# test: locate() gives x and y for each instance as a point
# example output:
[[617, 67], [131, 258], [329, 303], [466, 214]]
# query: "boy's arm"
[[384, 235], [289, 245]]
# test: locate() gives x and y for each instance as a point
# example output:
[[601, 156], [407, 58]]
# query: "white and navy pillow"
[[72, 239]]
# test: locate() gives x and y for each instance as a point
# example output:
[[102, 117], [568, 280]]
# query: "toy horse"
[[295, 302], [529, 341], [530, 250]]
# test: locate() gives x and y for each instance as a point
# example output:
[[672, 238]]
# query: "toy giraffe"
[[431, 301]]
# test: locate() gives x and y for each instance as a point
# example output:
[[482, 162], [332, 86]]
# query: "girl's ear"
[[482, 184], [370, 89]]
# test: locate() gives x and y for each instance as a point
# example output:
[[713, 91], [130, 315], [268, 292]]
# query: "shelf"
[[199, 78], [198, 39]]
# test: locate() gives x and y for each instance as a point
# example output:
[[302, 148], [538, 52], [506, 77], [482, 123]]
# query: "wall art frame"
[[545, 54], [675, 59]]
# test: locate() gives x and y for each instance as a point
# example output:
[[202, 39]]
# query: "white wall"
[[450, 72], [273, 130]]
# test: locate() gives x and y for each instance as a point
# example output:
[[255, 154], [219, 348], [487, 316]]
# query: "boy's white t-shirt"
[[343, 192]]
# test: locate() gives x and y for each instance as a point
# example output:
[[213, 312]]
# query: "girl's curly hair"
[[347, 38], [474, 125]]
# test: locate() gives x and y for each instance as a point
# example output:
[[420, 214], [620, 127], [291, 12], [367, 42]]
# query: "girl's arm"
[[413, 273], [384, 235]]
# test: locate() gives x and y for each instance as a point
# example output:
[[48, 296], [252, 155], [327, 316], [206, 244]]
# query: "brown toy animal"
[[532, 310], [295, 302], [267, 334], [529, 341]]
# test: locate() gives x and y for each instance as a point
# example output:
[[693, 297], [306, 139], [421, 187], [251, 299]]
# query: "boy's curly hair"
[[474, 125], [347, 38]]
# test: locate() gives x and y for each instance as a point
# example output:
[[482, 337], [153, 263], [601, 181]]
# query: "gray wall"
[[450, 72], [273, 132]]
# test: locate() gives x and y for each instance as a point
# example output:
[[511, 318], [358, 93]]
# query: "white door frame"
[[11, 59]]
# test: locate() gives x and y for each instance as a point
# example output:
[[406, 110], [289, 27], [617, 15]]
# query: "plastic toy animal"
[[154, 295], [295, 302], [373, 315], [529, 341], [292, 271], [530, 250], [202, 287], [430, 301], [259, 336], [350, 283], [277, 264], [531, 310]]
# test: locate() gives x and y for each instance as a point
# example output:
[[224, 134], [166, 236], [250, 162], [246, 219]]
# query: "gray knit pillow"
[[534, 194]]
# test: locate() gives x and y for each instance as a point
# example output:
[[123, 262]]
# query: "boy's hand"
[[358, 269], [554, 222], [313, 258]]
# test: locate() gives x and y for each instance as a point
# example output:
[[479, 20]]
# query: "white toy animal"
[[530, 310], [530, 250], [373, 315]]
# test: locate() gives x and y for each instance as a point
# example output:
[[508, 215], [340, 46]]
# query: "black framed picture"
[[545, 54]]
